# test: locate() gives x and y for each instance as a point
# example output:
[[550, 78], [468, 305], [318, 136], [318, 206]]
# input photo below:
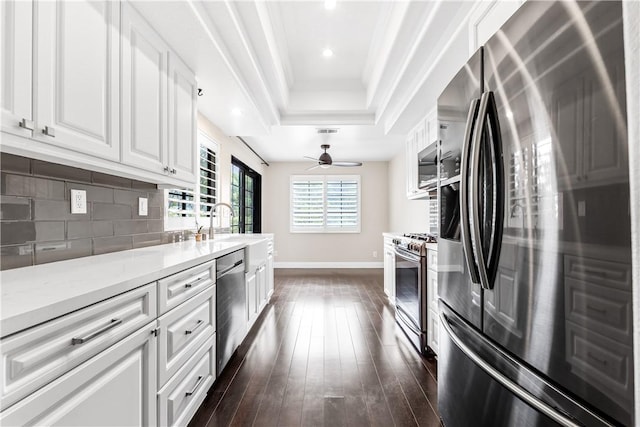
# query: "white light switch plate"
[[143, 206], [78, 202]]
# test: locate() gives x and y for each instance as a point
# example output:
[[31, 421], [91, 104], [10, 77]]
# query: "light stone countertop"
[[33, 295]]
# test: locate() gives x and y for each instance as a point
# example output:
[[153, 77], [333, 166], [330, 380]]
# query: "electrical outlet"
[[275, 253], [143, 206], [78, 202], [375, 254]]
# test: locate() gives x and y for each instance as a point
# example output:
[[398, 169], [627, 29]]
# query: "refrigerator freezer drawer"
[[496, 389]]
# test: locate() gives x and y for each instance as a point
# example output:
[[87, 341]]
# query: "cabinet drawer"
[[115, 388], [432, 260], [179, 287], [605, 273], [183, 330], [185, 391], [602, 362], [33, 358], [603, 310]]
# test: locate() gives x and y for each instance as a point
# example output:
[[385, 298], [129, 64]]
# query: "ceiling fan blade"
[[346, 164], [310, 158], [312, 167]]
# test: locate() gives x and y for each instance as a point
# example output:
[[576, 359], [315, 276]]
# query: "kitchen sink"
[[255, 253]]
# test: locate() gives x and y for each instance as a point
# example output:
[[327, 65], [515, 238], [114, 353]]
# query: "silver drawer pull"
[[198, 324], [113, 324], [190, 284], [49, 131], [195, 387], [26, 124]]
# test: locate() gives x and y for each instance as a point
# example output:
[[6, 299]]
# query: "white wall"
[[335, 249], [229, 146], [405, 216]]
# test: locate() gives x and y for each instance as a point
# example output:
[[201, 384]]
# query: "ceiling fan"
[[325, 160]]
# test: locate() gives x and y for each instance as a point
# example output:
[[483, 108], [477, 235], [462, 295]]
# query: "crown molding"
[[327, 118], [381, 49], [408, 58], [279, 64], [208, 26], [280, 38], [426, 71]]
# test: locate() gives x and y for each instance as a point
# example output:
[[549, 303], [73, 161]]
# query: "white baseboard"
[[329, 265]]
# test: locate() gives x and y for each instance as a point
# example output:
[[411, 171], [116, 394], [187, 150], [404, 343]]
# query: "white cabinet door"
[[262, 287], [115, 388], [144, 94], [15, 96], [183, 146], [270, 278], [252, 299], [77, 76], [390, 273]]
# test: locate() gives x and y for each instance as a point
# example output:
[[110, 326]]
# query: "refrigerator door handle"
[[464, 192], [497, 223], [507, 383], [475, 203]]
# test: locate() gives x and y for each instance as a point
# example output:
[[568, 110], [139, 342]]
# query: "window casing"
[[186, 207], [325, 204]]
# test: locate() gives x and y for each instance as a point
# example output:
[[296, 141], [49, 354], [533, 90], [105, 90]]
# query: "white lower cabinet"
[[115, 388], [180, 398], [270, 273], [251, 282], [433, 320], [183, 330], [390, 274], [35, 357]]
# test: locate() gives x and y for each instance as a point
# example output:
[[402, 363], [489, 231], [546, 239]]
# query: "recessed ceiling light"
[[327, 53], [236, 112], [329, 4]]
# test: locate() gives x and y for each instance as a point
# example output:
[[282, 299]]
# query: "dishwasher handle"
[[228, 269]]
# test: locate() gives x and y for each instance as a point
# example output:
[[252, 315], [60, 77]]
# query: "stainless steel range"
[[411, 287]]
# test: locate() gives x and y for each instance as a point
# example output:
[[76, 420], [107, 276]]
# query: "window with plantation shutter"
[[325, 203], [186, 207]]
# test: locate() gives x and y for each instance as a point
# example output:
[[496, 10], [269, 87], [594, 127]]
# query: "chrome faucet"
[[213, 212]]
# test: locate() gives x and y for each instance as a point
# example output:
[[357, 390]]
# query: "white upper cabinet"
[[144, 94], [76, 81], [17, 45], [183, 148], [91, 84], [487, 18], [158, 103]]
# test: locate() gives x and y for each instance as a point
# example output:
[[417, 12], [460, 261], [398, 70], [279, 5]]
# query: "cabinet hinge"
[[155, 332]]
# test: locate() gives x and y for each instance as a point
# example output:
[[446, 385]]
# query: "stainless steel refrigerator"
[[534, 254]]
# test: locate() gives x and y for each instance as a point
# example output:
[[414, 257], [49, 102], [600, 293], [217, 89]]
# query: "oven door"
[[411, 297]]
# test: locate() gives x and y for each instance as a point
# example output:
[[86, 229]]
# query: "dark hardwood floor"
[[325, 352]]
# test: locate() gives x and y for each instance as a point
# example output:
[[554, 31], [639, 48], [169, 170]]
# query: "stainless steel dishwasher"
[[231, 306]]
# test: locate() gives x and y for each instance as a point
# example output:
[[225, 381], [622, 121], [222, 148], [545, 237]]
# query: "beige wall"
[[405, 216], [306, 248], [229, 146]]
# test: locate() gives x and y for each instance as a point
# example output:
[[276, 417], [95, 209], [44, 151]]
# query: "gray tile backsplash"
[[36, 224]]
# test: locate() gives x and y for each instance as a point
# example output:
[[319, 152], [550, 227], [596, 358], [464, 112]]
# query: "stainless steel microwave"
[[428, 167]]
